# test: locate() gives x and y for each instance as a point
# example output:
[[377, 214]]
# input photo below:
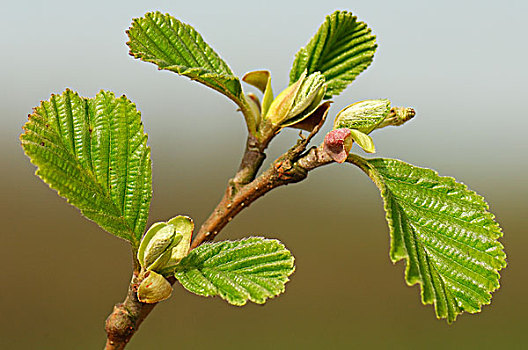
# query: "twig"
[[243, 189]]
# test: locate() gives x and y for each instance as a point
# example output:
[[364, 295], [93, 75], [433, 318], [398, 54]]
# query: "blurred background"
[[460, 64]]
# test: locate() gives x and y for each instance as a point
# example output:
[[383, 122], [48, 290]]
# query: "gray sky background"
[[460, 64]]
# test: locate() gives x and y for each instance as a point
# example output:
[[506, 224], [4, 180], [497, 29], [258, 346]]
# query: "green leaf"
[[364, 116], [280, 107], [258, 78], [147, 238], [342, 48], [94, 153], [308, 98], [363, 140], [175, 46], [444, 232], [261, 79], [165, 244], [250, 269], [154, 288], [185, 226]]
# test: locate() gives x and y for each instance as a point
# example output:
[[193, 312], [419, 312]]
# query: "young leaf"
[[258, 78], [341, 49], [94, 153], [363, 140], [364, 116], [172, 45], [250, 269], [154, 288], [261, 79], [165, 244], [185, 226], [444, 232]]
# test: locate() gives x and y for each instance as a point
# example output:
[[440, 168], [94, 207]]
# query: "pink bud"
[[337, 144]]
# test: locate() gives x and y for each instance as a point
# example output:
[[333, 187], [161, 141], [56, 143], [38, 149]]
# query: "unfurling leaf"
[[297, 101], [94, 153], [154, 288], [185, 226], [309, 95], [165, 244], [341, 49], [261, 79], [397, 116], [282, 104], [363, 116], [363, 140], [156, 246], [444, 232], [252, 269]]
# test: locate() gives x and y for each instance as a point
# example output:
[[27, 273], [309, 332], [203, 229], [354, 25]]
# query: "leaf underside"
[[94, 153], [341, 49], [444, 232], [252, 269], [175, 46]]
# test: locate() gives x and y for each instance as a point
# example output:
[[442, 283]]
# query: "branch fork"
[[242, 190]]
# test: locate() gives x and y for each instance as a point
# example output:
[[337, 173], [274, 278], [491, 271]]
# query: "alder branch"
[[126, 317], [285, 170], [242, 190]]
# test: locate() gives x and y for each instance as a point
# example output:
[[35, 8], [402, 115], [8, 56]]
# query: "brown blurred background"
[[461, 65]]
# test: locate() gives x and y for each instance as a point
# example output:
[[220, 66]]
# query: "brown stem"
[[251, 161], [285, 170], [293, 166], [126, 317], [243, 190]]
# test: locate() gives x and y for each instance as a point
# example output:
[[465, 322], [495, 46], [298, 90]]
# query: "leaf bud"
[[154, 288], [298, 100], [156, 246], [363, 116], [309, 96], [398, 116], [165, 244], [261, 79], [337, 144]]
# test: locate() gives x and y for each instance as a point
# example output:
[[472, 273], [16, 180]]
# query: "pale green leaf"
[[363, 140], [252, 269], [258, 78], [94, 153], [342, 48], [154, 288], [444, 232], [167, 242], [261, 79], [185, 226], [280, 107], [364, 116], [145, 240], [175, 46], [254, 105], [310, 94]]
